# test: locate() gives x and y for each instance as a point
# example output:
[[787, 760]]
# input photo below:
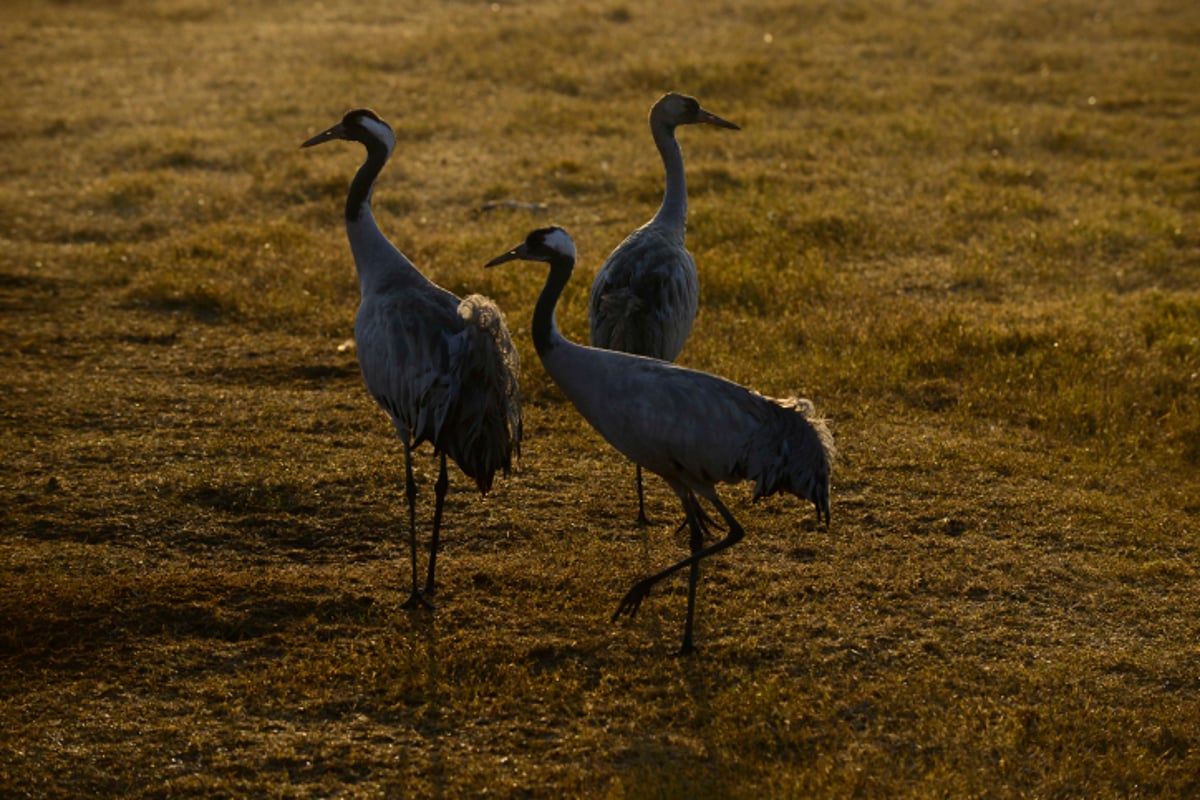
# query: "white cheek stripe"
[[560, 241], [380, 131]]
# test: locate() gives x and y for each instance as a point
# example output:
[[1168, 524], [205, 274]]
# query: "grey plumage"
[[444, 369], [692, 428], [644, 298]]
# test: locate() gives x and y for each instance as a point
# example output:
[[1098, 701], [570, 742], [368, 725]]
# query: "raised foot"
[[415, 600], [633, 599]]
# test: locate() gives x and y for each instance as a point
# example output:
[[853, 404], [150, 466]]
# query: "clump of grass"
[[1136, 400]]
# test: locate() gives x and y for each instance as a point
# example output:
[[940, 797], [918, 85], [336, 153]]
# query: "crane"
[[692, 428], [644, 297], [444, 369]]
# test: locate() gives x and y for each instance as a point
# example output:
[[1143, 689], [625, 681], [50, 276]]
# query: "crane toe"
[[417, 600], [633, 599]]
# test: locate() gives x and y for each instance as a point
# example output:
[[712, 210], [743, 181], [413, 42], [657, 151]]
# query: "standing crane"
[[691, 428], [644, 297], [444, 369]]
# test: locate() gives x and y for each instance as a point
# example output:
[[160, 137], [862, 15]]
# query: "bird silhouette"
[[444, 369], [691, 428], [644, 297]]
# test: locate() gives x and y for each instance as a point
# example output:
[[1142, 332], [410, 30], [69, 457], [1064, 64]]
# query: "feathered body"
[[692, 428], [444, 369], [645, 296], [445, 372]]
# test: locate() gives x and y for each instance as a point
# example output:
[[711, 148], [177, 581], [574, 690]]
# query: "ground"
[[967, 233]]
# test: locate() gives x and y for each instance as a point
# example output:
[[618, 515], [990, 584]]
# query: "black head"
[[358, 125], [543, 244], [681, 109]]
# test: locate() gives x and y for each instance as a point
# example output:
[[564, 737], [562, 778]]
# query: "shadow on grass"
[[72, 625]]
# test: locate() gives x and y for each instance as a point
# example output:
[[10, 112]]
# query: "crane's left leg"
[[439, 490], [415, 600]]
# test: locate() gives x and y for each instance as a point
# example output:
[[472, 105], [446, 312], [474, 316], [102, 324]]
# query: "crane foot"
[[633, 599], [415, 600]]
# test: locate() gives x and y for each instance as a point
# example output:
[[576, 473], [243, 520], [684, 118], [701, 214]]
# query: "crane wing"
[[644, 298], [694, 428], [407, 344], [669, 419]]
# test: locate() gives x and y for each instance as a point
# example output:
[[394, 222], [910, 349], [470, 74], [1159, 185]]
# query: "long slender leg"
[[701, 514], [415, 600], [439, 490], [695, 521], [642, 519], [634, 597]]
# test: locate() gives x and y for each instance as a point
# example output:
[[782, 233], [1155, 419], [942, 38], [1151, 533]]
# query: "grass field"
[[968, 231]]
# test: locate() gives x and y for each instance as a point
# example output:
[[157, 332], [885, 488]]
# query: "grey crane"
[[644, 297], [444, 369], [691, 428]]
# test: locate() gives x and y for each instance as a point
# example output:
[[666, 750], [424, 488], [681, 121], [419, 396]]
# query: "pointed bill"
[[516, 254], [713, 119], [336, 132]]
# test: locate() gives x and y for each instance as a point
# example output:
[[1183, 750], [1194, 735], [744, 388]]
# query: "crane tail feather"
[[485, 437], [793, 452]]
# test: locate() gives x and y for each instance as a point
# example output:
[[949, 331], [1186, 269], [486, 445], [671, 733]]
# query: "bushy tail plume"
[[485, 429], [793, 452]]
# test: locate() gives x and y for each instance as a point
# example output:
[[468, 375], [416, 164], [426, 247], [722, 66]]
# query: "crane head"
[[358, 125], [680, 109], [544, 244]]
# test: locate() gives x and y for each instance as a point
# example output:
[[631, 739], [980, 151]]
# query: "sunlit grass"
[[968, 233]]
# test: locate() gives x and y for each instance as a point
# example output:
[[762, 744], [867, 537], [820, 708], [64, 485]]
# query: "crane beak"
[[713, 119], [336, 132], [516, 254]]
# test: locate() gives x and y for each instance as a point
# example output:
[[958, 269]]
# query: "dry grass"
[[968, 232]]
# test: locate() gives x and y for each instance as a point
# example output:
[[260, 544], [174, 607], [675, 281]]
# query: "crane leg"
[[702, 515], [439, 490], [633, 598], [415, 600], [642, 519], [696, 522]]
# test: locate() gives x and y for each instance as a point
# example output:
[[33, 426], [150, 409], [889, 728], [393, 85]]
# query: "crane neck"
[[358, 200], [375, 257], [546, 335], [673, 211]]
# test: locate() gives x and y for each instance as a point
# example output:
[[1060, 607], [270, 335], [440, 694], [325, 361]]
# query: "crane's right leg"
[[415, 600], [439, 492], [695, 520], [633, 598]]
